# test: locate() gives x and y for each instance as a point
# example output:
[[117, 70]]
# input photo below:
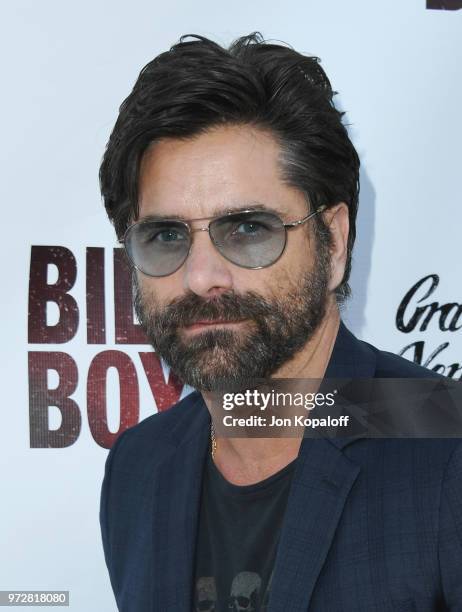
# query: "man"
[[233, 185]]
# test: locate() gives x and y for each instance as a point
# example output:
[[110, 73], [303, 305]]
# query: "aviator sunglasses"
[[249, 238]]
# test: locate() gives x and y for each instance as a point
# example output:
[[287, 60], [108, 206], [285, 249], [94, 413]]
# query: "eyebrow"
[[219, 211]]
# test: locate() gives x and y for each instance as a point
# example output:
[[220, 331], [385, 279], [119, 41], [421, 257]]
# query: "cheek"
[[297, 259], [161, 290], [273, 282]]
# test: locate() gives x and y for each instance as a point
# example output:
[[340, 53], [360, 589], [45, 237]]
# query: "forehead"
[[226, 167]]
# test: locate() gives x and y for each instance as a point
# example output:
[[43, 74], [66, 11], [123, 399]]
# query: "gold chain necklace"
[[213, 439]]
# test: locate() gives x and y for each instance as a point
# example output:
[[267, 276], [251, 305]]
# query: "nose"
[[206, 272]]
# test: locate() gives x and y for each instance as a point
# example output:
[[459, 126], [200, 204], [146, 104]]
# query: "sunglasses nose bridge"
[[198, 229], [216, 244]]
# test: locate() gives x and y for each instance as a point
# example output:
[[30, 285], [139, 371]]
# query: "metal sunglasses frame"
[[186, 223]]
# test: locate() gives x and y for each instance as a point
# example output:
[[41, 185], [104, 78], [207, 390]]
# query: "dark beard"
[[222, 359]]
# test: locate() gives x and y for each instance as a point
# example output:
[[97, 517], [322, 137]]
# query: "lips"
[[211, 322], [208, 323]]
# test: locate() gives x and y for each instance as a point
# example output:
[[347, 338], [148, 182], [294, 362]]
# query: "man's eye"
[[248, 228], [166, 235]]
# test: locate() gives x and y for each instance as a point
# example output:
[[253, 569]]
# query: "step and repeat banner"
[[76, 367]]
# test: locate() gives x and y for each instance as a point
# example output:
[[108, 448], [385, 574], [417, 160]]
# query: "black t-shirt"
[[238, 534]]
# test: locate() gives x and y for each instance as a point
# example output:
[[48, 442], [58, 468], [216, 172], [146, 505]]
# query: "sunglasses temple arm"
[[295, 223]]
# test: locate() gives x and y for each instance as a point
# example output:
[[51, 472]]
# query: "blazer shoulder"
[[390, 365]]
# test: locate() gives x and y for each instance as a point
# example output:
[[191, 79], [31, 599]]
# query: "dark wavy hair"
[[198, 85]]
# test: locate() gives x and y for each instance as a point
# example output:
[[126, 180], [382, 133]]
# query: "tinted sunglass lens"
[[157, 248], [250, 240]]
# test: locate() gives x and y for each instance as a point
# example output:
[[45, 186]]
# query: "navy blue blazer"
[[371, 525]]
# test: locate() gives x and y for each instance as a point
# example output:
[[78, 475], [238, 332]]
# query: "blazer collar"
[[351, 358]]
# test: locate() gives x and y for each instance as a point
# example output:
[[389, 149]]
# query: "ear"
[[336, 218]]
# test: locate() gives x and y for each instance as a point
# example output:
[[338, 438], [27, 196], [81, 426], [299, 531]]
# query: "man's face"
[[257, 319]]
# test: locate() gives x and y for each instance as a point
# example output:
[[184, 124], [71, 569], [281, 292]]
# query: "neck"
[[248, 460]]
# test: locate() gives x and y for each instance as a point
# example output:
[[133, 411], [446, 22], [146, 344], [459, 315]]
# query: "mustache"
[[227, 307]]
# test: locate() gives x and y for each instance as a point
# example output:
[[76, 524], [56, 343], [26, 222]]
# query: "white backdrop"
[[66, 67]]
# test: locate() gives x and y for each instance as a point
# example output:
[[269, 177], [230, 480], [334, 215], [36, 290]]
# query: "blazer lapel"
[[178, 486], [322, 481]]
